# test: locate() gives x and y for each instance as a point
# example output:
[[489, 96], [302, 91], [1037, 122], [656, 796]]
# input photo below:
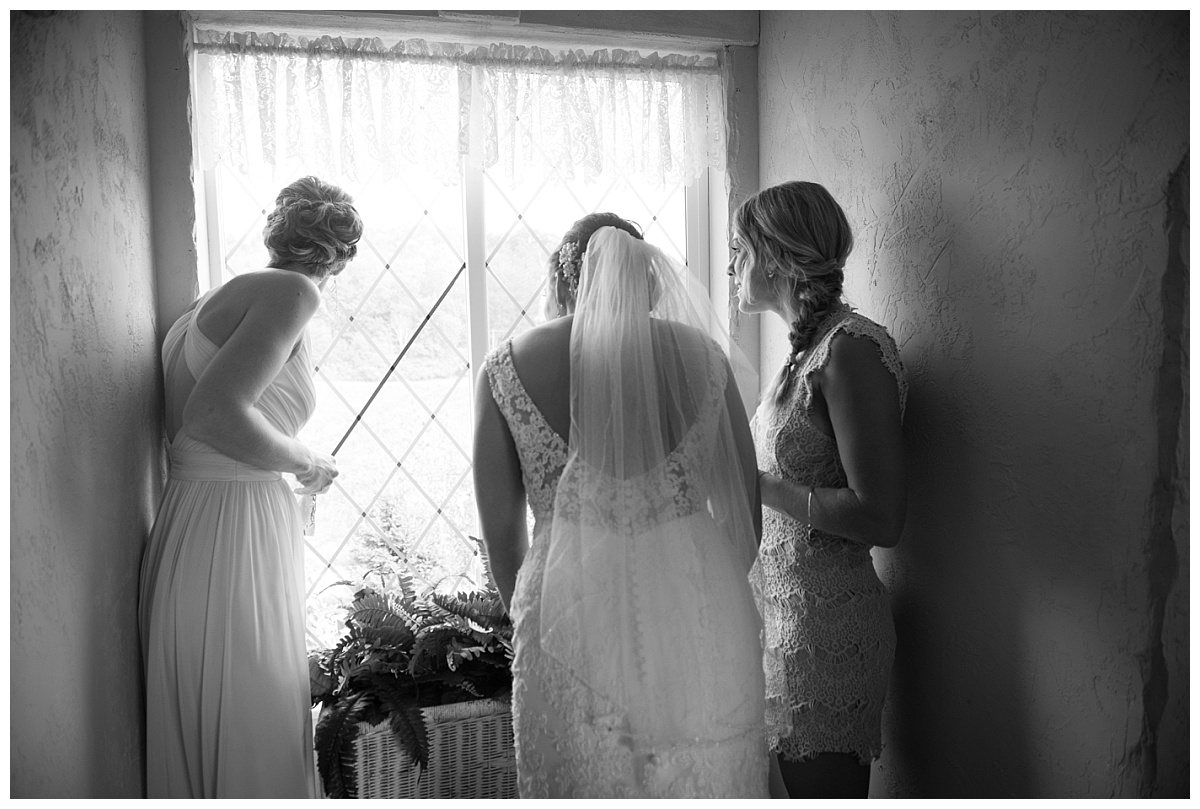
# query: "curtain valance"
[[359, 108]]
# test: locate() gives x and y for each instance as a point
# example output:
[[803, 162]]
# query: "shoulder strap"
[[859, 326]]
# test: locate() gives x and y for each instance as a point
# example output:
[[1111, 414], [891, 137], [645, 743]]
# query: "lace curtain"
[[358, 108]]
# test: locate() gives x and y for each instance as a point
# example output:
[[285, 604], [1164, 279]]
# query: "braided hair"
[[799, 234], [314, 224]]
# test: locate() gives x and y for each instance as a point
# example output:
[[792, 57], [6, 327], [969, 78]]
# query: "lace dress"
[[572, 743], [222, 608], [828, 617]]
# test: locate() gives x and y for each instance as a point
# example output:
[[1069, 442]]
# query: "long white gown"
[[638, 656], [222, 609]]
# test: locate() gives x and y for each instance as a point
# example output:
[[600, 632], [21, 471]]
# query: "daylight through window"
[[450, 266]]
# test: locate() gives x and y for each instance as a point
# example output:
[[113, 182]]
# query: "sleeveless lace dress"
[[569, 741], [827, 615], [222, 609]]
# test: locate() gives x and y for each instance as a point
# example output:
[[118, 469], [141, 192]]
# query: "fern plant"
[[399, 654]]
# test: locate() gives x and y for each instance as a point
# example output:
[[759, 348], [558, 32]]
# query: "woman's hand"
[[319, 476]]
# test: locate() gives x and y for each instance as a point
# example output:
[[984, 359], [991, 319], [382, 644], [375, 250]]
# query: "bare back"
[[223, 310], [542, 360]]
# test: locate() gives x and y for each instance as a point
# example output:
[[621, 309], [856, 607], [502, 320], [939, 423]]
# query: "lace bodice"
[[827, 621], [542, 451], [667, 492]]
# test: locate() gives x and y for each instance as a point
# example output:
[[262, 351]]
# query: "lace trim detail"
[[858, 326], [664, 493], [542, 451]]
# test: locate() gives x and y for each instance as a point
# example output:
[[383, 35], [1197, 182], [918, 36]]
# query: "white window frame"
[[211, 248]]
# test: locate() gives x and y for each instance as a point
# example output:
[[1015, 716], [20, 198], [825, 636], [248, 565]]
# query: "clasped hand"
[[319, 477]]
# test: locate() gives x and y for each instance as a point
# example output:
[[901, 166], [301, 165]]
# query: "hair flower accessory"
[[569, 264]]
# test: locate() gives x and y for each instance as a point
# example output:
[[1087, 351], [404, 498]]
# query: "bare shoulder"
[[685, 334], [856, 359], [850, 348], [280, 292], [276, 300], [543, 343], [541, 358], [282, 287]]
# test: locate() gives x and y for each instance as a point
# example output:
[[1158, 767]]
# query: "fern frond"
[[407, 587], [488, 581], [321, 680], [466, 684], [479, 606], [428, 649], [334, 740], [390, 635], [397, 699]]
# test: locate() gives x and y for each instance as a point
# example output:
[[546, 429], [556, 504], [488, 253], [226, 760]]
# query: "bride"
[[638, 667]]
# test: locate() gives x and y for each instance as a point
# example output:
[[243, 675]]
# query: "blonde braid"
[[800, 232]]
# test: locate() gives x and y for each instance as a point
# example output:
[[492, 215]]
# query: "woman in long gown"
[[637, 670], [222, 587], [828, 439]]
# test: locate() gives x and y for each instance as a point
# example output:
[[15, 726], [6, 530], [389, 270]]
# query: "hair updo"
[[800, 238], [566, 262], [314, 224]]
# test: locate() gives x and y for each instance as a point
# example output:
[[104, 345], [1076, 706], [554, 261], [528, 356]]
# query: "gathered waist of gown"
[[190, 464]]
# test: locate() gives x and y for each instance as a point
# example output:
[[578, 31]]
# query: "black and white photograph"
[[681, 404]]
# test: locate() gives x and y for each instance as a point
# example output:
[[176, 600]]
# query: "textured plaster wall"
[[84, 402], [1009, 177]]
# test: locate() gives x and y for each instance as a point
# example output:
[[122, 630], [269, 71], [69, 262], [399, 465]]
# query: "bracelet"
[[810, 492]]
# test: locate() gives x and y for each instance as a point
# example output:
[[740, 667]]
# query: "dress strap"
[[198, 350], [856, 325]]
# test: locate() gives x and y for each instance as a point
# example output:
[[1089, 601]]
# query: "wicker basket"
[[471, 755]]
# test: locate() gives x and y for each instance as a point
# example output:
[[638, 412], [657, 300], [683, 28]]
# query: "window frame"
[[211, 246]]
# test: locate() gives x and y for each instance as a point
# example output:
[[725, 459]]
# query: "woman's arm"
[[863, 402], [221, 409], [499, 492]]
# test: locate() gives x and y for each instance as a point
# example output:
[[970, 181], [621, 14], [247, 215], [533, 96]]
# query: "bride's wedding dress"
[[638, 669]]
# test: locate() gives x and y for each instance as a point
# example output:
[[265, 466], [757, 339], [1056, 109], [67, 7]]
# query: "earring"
[[335, 299]]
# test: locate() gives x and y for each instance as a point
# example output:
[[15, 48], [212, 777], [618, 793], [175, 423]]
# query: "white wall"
[[85, 402], [1007, 178]]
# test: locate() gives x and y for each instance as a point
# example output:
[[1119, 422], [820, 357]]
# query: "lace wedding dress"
[[828, 618], [638, 654], [222, 608]]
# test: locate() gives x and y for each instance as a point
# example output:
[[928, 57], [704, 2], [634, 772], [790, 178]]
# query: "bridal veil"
[[647, 602]]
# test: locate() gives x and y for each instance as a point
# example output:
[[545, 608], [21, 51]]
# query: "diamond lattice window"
[[454, 254], [392, 338]]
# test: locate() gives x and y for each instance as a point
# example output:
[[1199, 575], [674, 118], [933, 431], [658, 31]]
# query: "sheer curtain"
[[359, 108]]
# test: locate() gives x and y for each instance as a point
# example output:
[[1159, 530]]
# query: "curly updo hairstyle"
[[566, 262], [315, 225], [800, 238]]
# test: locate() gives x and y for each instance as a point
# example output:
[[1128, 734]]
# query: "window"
[[445, 272]]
